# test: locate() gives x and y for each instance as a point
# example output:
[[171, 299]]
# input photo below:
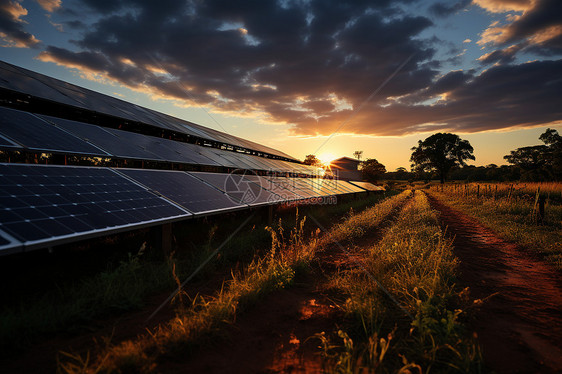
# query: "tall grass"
[[203, 316], [415, 263], [513, 215]]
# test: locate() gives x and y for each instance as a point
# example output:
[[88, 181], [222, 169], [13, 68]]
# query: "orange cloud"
[[50, 5], [503, 6]]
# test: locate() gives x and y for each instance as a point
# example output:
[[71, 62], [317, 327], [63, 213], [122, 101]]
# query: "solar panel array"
[[38, 85], [47, 205], [41, 133]]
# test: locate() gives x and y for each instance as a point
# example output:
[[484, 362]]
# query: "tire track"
[[520, 326]]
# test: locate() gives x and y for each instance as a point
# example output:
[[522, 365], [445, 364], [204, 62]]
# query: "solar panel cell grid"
[[41, 203]]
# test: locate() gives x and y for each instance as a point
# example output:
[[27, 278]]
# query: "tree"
[[441, 152], [372, 170], [553, 156], [358, 155], [539, 162], [312, 160]]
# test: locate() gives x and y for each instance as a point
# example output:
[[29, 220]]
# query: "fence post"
[[540, 218]]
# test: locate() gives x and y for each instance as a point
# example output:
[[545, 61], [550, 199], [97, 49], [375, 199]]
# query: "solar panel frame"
[[34, 133]]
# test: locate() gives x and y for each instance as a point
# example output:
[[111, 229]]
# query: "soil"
[[519, 323]]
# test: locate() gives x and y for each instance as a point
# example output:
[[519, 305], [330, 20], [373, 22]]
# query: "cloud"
[[12, 30], [50, 5], [539, 27], [308, 64], [304, 54], [502, 6], [503, 56]]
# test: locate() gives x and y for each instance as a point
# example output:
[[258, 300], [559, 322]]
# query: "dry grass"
[[415, 263], [512, 214]]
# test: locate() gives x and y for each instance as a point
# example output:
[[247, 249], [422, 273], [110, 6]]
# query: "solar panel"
[[291, 185], [34, 133], [39, 85], [7, 143], [41, 203], [233, 159], [367, 186], [273, 192], [165, 149], [308, 183], [117, 145], [278, 186], [184, 189], [333, 185], [230, 185], [17, 79]]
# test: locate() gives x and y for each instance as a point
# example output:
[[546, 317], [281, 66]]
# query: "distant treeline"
[[490, 173], [540, 163]]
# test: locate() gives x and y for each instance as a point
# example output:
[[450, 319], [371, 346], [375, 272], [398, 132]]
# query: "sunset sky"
[[312, 76]]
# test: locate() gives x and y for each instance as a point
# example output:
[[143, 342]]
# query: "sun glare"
[[325, 158]]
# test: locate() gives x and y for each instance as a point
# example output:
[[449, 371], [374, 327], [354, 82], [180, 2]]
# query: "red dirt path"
[[520, 327]]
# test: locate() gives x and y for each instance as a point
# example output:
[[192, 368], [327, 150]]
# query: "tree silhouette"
[[312, 160], [540, 162], [441, 152], [372, 170]]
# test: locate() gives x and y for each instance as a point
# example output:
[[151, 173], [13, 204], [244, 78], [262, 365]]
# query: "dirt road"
[[520, 326]]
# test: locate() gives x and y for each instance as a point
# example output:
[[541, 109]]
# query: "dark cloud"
[[267, 56], [446, 9], [308, 63], [500, 97], [538, 29], [12, 26]]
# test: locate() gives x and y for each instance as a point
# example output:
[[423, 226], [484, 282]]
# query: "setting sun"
[[326, 158]]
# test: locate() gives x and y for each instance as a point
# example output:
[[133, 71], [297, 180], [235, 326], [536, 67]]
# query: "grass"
[[289, 254], [414, 262], [201, 317], [513, 215], [73, 306]]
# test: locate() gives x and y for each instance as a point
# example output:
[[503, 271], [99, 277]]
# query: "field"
[[439, 279]]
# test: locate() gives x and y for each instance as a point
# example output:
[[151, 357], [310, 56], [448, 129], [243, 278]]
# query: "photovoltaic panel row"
[[124, 144], [50, 204], [104, 139], [184, 189], [28, 82], [36, 134]]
